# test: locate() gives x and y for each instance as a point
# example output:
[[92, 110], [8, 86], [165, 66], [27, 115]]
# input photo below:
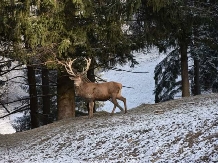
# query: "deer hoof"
[[90, 117]]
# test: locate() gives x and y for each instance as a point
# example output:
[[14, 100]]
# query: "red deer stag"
[[94, 91]]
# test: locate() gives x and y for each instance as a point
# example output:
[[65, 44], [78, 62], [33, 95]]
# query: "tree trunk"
[[184, 69], [33, 97], [91, 77], [66, 98], [197, 89], [45, 97]]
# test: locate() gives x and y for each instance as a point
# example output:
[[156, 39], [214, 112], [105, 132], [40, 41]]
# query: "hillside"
[[186, 131], [138, 87]]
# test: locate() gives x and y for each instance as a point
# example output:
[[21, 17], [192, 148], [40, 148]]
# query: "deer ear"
[[72, 78]]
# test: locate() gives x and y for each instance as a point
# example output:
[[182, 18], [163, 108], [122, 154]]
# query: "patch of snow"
[[142, 84], [5, 126], [10, 92]]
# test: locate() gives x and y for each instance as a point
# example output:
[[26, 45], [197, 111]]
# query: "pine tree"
[[167, 27], [204, 48], [166, 76], [171, 26], [41, 31]]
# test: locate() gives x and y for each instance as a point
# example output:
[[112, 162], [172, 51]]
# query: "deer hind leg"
[[121, 109], [91, 106], [113, 109], [119, 97], [114, 101]]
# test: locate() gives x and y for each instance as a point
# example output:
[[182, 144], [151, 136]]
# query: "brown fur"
[[99, 92]]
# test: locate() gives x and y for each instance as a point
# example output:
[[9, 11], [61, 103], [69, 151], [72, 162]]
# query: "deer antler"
[[68, 66], [88, 62]]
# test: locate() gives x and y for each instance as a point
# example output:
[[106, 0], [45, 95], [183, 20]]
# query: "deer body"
[[95, 91]]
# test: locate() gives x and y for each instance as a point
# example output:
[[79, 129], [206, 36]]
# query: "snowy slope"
[[141, 91], [186, 132], [11, 91], [142, 84], [5, 125]]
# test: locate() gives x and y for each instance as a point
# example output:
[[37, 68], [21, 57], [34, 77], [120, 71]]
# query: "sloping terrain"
[[182, 130]]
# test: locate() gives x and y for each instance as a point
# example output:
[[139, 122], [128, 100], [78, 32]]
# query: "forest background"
[[35, 33]]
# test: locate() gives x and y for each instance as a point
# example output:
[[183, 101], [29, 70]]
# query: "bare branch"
[[23, 108], [5, 107]]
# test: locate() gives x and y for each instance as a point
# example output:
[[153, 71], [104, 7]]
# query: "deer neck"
[[80, 89]]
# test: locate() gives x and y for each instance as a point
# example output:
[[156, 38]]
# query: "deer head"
[[74, 75]]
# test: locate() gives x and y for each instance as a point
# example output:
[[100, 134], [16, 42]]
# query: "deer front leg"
[[91, 106]]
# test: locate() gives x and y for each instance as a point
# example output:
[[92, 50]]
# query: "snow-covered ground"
[[141, 84], [5, 125], [186, 132]]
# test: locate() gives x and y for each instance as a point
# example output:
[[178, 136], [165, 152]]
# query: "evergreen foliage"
[[35, 32], [166, 77], [22, 123], [208, 68], [204, 47], [47, 29]]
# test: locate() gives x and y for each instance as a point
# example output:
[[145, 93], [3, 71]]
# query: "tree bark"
[[33, 97], [184, 69], [197, 89], [66, 98], [45, 97], [91, 77]]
